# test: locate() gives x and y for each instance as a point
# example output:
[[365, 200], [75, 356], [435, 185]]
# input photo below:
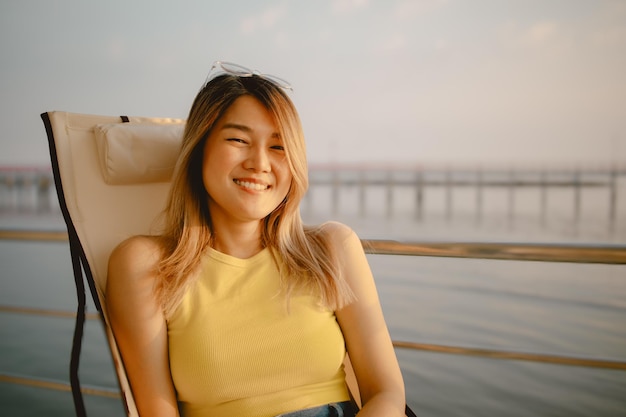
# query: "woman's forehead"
[[248, 115]]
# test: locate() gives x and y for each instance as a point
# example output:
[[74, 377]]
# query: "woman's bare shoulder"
[[136, 256], [339, 235], [141, 245]]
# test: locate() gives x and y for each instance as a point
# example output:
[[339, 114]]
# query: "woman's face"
[[245, 170]]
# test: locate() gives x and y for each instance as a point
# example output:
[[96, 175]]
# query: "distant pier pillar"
[[6, 191], [612, 199], [512, 185], [479, 196], [543, 196], [24, 188], [577, 191], [390, 187], [362, 195], [419, 194], [448, 185], [44, 184], [335, 190]]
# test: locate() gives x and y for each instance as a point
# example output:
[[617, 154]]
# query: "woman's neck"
[[241, 242]]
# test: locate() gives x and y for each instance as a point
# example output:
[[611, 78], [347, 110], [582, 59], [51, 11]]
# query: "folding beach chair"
[[112, 178], [108, 190]]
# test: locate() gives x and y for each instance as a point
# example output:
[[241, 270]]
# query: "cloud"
[[266, 19], [282, 41], [325, 35], [347, 6], [409, 9], [512, 34], [607, 29], [610, 36], [441, 44], [116, 49], [540, 32], [393, 43]]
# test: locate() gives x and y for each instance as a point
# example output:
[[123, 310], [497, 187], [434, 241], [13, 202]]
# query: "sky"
[[430, 82]]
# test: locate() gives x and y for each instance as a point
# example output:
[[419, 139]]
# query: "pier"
[[462, 187], [31, 189], [25, 189]]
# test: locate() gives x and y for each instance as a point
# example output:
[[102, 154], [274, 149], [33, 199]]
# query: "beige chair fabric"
[[102, 214]]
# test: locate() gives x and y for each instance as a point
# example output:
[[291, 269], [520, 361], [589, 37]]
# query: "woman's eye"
[[237, 140], [278, 147]]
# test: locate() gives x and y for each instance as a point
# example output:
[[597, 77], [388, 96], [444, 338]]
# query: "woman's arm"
[[139, 325], [367, 338]]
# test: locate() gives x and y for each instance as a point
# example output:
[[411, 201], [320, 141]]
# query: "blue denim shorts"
[[343, 409]]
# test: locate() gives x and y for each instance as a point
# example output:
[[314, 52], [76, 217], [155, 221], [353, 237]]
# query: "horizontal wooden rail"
[[39, 235], [576, 253], [58, 385], [605, 254], [45, 312], [500, 354]]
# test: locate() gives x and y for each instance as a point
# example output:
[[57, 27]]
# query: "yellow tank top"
[[236, 350]]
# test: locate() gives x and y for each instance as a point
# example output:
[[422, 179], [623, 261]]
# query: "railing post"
[[362, 195], [577, 195], [612, 199], [335, 190], [544, 197], [22, 183], [419, 194], [479, 195], [43, 192], [390, 185], [4, 190], [512, 179], [448, 181], [12, 192]]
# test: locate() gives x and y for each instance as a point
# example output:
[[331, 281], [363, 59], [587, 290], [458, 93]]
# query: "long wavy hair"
[[307, 263]]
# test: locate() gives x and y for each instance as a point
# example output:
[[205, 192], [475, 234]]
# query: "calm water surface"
[[550, 308]]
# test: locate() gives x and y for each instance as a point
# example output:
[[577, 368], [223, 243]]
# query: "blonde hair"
[[307, 261]]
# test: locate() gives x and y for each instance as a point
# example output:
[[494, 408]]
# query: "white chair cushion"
[[135, 153]]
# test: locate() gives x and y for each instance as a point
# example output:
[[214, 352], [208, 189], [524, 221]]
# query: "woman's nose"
[[258, 160]]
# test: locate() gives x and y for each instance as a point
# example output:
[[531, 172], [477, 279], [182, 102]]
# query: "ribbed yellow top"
[[236, 350]]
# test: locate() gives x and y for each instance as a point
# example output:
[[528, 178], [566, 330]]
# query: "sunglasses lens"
[[235, 69], [239, 71], [278, 81]]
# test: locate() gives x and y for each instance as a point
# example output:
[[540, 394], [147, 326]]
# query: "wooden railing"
[[575, 253]]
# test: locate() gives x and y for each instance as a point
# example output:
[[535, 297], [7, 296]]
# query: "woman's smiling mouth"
[[251, 185]]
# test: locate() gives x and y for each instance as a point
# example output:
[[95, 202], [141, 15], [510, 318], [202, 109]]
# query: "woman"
[[237, 309]]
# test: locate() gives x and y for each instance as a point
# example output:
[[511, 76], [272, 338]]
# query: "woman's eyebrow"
[[237, 126], [244, 128]]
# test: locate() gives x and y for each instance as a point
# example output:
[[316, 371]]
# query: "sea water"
[[535, 307]]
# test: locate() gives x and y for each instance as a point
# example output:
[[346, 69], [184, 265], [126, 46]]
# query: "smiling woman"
[[245, 169], [237, 308]]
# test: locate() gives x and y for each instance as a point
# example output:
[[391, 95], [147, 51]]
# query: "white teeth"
[[252, 185]]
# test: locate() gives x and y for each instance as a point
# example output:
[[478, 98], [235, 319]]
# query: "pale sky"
[[415, 81]]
